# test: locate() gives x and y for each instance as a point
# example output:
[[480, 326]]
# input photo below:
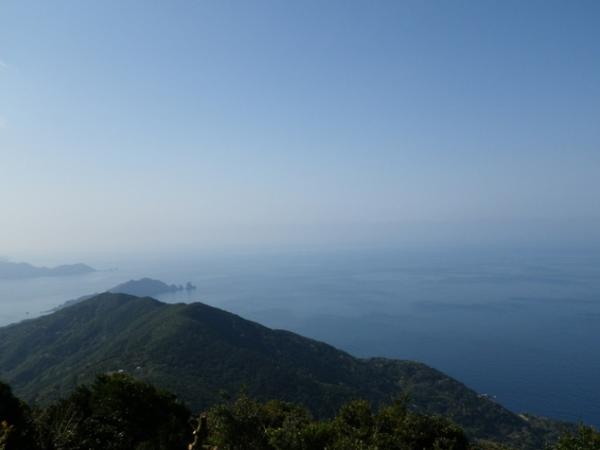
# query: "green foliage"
[[586, 438], [116, 413], [248, 424], [489, 445]]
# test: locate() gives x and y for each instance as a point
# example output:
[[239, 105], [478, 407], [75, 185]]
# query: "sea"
[[521, 327]]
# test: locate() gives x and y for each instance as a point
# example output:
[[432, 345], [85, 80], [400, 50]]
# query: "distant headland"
[[144, 287], [147, 287], [15, 271]]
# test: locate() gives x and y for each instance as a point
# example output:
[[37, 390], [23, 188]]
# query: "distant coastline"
[[17, 271]]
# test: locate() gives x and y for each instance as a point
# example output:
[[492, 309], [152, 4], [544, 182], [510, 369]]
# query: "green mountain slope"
[[198, 352]]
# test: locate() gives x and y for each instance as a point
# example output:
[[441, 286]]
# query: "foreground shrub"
[[586, 438], [116, 413], [17, 431]]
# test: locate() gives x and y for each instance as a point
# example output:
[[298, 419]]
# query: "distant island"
[[147, 287], [15, 271], [144, 287]]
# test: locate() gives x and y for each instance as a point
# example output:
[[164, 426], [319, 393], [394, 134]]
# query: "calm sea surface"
[[524, 328]]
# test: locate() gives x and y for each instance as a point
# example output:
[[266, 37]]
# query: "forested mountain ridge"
[[199, 352]]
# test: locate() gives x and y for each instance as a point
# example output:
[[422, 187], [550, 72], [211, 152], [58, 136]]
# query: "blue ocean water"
[[523, 327]]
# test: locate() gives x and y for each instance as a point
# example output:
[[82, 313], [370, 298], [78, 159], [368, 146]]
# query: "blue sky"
[[151, 126]]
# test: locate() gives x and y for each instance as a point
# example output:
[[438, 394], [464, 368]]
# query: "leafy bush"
[[116, 413]]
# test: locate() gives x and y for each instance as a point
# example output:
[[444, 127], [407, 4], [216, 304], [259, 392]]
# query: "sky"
[[152, 126]]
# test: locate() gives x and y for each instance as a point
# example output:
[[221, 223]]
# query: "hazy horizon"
[[156, 128]]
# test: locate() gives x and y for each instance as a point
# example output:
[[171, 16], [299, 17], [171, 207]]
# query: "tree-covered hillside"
[[200, 352]]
